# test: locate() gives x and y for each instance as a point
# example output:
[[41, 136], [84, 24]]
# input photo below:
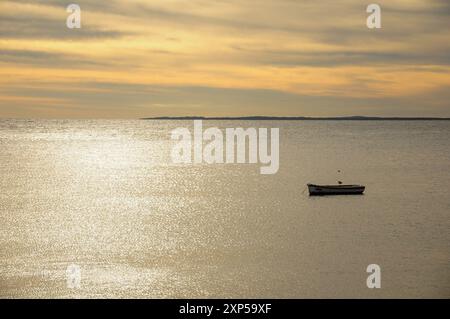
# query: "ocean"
[[103, 196]]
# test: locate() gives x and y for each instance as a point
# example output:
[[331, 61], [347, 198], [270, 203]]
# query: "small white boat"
[[320, 190]]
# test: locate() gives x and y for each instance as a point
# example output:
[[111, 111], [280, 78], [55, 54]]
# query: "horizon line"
[[298, 118]]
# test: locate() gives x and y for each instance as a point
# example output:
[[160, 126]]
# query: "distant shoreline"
[[299, 118]]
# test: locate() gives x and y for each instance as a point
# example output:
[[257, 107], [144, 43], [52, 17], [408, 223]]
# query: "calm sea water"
[[105, 196]]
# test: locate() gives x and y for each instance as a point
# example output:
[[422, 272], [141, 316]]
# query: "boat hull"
[[322, 190]]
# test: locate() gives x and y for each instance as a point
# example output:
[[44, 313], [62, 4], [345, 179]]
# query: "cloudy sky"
[[137, 58]]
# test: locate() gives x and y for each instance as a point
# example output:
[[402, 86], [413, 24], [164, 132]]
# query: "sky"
[[136, 58]]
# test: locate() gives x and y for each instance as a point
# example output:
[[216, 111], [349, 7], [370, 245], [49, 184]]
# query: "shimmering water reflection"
[[104, 195]]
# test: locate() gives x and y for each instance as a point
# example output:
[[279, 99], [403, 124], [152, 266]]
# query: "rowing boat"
[[318, 190]]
